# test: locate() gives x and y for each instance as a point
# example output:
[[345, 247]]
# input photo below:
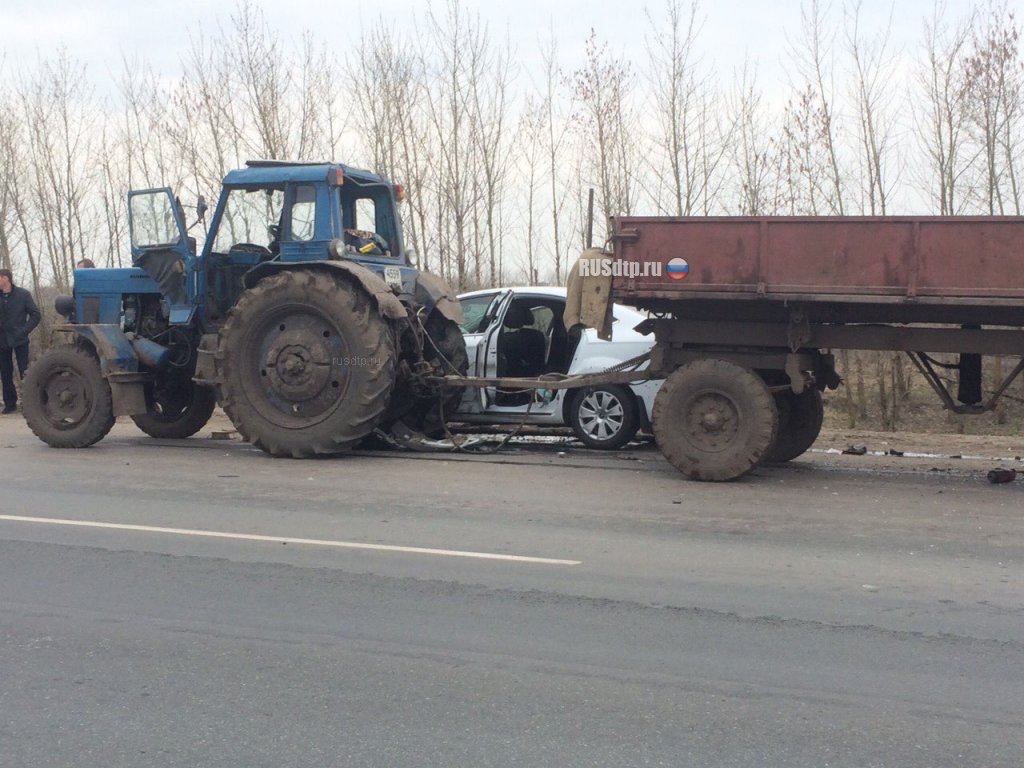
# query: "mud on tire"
[[445, 347], [65, 399], [800, 420], [176, 410], [714, 420], [306, 364]]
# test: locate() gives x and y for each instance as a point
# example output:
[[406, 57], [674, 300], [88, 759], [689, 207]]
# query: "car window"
[[474, 312], [542, 317]]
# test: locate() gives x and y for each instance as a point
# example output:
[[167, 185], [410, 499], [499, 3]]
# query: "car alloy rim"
[[601, 415]]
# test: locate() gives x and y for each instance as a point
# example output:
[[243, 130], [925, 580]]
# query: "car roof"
[[549, 290], [533, 290]]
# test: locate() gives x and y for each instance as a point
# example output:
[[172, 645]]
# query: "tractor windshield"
[[251, 217]]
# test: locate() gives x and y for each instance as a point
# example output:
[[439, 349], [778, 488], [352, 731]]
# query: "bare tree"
[[813, 112], [994, 82], [491, 77], [688, 136], [57, 109], [941, 124], [751, 148], [602, 87], [388, 94], [531, 134], [203, 122], [9, 182], [287, 95], [873, 95], [555, 139], [455, 54]]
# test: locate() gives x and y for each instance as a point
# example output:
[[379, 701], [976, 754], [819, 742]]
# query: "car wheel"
[[604, 417]]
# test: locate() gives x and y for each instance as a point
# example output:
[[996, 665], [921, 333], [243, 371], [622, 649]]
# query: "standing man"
[[19, 315]]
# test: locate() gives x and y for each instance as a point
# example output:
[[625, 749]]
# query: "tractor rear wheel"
[[306, 364], [714, 420], [66, 401], [176, 409]]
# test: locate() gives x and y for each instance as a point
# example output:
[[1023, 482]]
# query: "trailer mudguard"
[[589, 294]]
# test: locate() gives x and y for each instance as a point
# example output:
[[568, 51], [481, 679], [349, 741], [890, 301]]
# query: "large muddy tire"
[[306, 364], [604, 417], [444, 347], [714, 420], [176, 409], [66, 401], [800, 420]]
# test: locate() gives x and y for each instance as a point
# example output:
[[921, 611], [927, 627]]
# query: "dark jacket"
[[19, 315]]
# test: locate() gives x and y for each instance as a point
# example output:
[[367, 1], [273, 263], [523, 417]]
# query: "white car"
[[519, 332]]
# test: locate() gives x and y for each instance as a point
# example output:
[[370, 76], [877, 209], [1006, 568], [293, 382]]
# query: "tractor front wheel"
[[176, 409], [67, 402]]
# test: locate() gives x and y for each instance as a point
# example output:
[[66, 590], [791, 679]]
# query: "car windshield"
[[474, 312]]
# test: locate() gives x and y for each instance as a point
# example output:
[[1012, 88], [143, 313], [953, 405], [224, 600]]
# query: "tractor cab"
[[269, 213], [274, 213]]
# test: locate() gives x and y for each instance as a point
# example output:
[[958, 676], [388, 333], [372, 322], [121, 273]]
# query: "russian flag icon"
[[678, 269]]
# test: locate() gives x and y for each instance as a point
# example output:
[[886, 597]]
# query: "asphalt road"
[[544, 607]]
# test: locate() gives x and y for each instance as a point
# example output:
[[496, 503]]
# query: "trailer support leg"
[[924, 365]]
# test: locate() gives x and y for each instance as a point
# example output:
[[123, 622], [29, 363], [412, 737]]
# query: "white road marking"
[[288, 540]]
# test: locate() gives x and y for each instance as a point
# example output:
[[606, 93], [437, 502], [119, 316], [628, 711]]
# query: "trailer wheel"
[[714, 420], [306, 364], [800, 420], [67, 402], [176, 409], [604, 417]]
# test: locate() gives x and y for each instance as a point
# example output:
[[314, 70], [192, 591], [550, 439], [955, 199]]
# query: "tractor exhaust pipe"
[[152, 354]]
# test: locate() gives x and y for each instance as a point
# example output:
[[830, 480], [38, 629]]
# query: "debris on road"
[[1002, 475], [855, 450]]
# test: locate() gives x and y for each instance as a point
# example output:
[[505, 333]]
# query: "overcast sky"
[[101, 32]]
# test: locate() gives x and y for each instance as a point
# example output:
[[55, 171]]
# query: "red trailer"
[[746, 312]]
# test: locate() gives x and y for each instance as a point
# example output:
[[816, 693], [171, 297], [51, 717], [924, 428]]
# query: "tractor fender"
[[434, 293], [118, 358], [387, 303]]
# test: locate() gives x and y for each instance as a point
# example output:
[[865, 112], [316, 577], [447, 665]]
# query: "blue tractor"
[[303, 316]]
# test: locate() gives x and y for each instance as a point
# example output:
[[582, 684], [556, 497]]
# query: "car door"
[[483, 317], [491, 403]]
